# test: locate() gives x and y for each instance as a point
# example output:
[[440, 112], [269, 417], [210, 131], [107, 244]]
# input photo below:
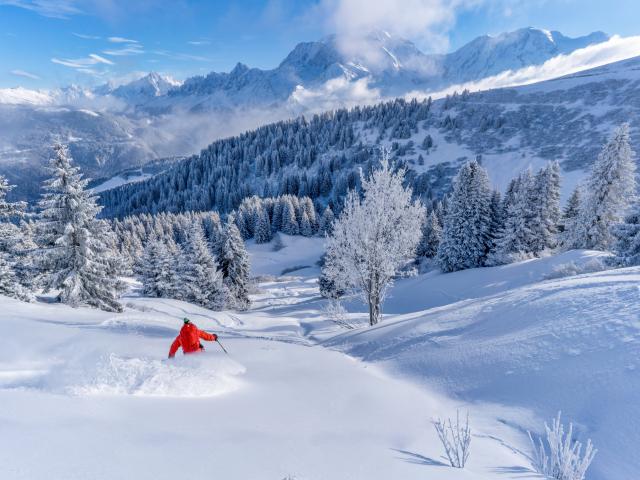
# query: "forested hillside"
[[506, 130]]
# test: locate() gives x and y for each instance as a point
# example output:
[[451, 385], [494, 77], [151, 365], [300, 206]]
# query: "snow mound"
[[568, 344], [183, 377]]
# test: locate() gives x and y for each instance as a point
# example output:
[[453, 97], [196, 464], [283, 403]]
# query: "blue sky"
[[50, 43]]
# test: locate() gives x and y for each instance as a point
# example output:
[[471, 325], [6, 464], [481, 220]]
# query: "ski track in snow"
[[88, 394]]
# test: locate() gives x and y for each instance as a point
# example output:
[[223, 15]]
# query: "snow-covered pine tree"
[[201, 280], [263, 232], [466, 236], [234, 264], [74, 246], [569, 217], [431, 235], [9, 232], [160, 272], [306, 229], [289, 222], [173, 278], [497, 219], [276, 221], [153, 271], [609, 189], [326, 220], [24, 250], [374, 236], [11, 248], [9, 284], [627, 238], [545, 203], [516, 239]]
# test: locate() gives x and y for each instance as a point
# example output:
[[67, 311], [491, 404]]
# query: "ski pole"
[[223, 349]]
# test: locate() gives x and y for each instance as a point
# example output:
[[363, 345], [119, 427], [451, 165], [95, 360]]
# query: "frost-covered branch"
[[374, 237], [565, 459], [455, 438]]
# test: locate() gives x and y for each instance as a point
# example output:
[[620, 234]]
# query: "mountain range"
[[507, 130], [391, 64], [116, 127]]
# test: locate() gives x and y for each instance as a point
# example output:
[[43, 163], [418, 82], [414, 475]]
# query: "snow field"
[[89, 394]]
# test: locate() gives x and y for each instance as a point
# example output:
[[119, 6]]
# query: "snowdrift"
[[196, 376], [570, 344], [59, 350]]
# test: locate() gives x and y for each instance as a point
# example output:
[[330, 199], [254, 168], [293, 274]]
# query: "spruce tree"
[[306, 228], [263, 232], [431, 236], [569, 218], [326, 221], [545, 203], [497, 220], [13, 252], [627, 238], [516, 239], [289, 222], [466, 235], [608, 191], [199, 275], [159, 273], [9, 284], [75, 257], [234, 265]]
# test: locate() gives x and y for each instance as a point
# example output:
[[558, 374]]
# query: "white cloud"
[[180, 56], [83, 64], [614, 50], [199, 42], [336, 93], [131, 49], [121, 40], [85, 37], [426, 21], [25, 74], [47, 8]]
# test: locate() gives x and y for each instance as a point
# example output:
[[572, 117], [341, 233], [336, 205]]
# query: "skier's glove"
[[215, 337]]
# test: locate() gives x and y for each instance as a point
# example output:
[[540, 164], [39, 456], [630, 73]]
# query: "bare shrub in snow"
[[337, 313], [455, 438], [565, 459]]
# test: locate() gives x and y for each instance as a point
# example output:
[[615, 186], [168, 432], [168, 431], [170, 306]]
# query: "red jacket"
[[189, 339]]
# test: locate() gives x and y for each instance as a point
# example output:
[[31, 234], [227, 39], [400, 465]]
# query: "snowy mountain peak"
[[490, 55], [149, 86]]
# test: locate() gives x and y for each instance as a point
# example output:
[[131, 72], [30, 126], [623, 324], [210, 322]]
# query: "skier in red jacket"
[[189, 339]]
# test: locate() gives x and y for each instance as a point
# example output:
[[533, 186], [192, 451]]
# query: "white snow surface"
[[118, 181], [88, 394]]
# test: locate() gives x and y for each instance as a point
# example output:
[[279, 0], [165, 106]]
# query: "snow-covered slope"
[[132, 175], [569, 344], [88, 394]]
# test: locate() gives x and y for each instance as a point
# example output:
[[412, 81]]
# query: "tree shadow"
[[418, 459]]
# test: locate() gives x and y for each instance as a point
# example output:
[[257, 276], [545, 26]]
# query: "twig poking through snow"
[[336, 312], [455, 438]]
